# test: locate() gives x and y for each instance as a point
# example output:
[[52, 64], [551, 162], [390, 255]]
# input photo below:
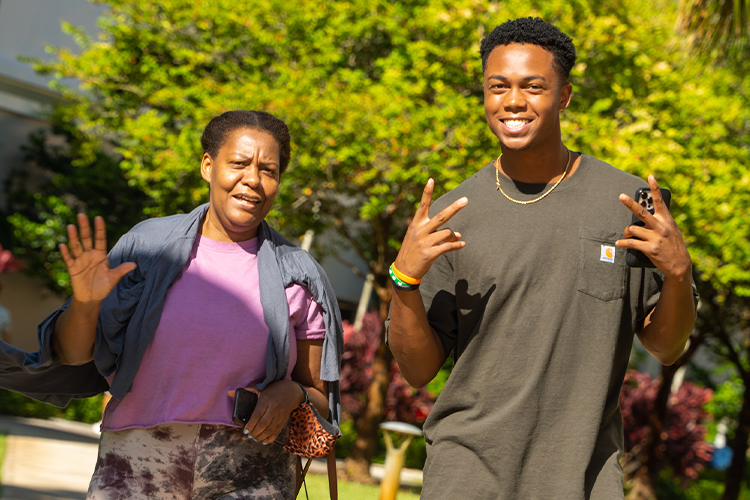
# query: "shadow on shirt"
[[450, 314]]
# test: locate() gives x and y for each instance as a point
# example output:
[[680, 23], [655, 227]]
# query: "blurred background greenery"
[[381, 95]]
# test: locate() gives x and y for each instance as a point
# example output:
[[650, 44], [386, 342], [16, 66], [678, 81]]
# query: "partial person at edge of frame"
[[184, 310], [521, 273]]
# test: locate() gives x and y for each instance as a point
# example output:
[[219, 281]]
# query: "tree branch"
[[354, 269], [354, 243], [733, 355]]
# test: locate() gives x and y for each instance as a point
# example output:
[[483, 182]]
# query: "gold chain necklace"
[[497, 179]]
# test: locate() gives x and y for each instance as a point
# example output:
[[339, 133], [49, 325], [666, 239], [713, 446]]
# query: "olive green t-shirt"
[[539, 309]]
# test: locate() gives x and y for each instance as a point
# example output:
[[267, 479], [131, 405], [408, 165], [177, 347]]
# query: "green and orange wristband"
[[401, 281]]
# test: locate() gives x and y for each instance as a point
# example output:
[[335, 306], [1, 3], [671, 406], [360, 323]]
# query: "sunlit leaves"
[[381, 95]]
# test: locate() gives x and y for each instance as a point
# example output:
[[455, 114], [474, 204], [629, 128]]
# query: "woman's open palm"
[[88, 267]]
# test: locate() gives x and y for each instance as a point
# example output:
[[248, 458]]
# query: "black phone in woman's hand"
[[244, 405]]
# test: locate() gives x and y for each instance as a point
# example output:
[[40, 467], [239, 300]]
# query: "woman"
[[193, 307]]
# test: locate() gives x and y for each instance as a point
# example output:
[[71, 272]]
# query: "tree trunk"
[[643, 486], [366, 424], [653, 457], [653, 460], [736, 472]]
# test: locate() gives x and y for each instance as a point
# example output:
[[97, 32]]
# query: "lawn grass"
[[317, 488], [2, 459]]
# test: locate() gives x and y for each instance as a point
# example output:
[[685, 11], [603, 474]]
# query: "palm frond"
[[718, 27]]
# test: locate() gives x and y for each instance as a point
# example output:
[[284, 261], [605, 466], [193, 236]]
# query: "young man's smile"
[[514, 125]]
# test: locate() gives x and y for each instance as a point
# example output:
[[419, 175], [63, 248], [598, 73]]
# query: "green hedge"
[[82, 410], [416, 453]]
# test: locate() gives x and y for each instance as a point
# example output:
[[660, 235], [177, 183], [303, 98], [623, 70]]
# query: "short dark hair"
[[533, 30], [217, 130]]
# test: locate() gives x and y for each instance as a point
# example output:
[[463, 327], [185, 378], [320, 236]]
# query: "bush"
[[81, 410], [403, 403], [684, 447], [416, 453], [708, 486]]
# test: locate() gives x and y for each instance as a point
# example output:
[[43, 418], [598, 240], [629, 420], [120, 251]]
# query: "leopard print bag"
[[307, 433]]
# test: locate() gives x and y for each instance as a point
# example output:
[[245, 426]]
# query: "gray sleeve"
[[40, 376], [439, 298], [117, 308], [44, 335], [299, 267], [653, 280]]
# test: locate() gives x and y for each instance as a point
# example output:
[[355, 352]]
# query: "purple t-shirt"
[[211, 339]]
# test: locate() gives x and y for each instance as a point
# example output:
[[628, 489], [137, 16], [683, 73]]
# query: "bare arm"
[[415, 345], [307, 372], [92, 280], [74, 333], [666, 328]]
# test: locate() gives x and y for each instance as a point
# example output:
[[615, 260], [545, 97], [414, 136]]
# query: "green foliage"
[[43, 200], [380, 96], [82, 410], [2, 458], [346, 441], [87, 410], [18, 405], [710, 486], [435, 387], [640, 105], [718, 27], [726, 403], [416, 453]]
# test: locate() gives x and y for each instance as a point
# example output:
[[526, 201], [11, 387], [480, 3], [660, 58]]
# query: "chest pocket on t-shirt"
[[602, 270]]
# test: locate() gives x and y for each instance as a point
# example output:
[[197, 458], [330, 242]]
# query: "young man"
[[529, 288]]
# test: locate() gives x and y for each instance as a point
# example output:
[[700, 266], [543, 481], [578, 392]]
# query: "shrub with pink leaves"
[[684, 447], [8, 262], [403, 402]]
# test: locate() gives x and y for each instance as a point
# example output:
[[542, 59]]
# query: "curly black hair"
[[217, 130], [535, 31]]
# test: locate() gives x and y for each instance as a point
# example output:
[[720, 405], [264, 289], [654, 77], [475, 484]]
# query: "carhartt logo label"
[[608, 254]]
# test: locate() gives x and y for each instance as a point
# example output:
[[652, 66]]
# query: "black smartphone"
[[244, 405], [636, 258]]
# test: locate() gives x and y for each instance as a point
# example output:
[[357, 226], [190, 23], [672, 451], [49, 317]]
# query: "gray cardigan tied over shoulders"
[[130, 314]]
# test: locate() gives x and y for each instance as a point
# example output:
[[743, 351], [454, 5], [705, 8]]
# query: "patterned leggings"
[[190, 462]]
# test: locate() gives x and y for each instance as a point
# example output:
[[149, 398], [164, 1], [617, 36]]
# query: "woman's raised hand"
[[88, 267], [423, 243]]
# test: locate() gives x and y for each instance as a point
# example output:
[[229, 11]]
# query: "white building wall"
[[27, 27]]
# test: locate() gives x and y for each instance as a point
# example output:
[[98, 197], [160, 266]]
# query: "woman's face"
[[244, 180]]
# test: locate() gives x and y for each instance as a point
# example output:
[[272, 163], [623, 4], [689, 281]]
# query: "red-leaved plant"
[[8, 262], [684, 447], [403, 402]]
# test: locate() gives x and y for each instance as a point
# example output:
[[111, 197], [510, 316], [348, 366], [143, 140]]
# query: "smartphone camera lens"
[[644, 195], [644, 204]]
